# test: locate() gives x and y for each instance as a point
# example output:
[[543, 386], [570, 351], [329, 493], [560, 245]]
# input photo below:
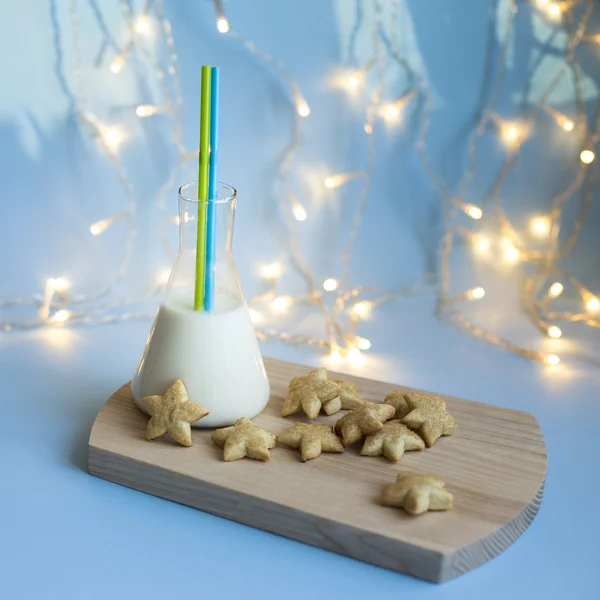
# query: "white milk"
[[215, 354]]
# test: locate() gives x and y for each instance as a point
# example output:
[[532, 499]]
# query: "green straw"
[[202, 188]]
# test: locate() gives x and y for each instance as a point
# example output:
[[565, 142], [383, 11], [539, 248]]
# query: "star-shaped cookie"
[[428, 417], [349, 397], [367, 418], [172, 413], [312, 439], [392, 441], [417, 493], [311, 393], [398, 401], [245, 438]]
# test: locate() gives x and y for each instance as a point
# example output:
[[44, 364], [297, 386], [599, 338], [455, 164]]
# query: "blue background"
[[64, 534]]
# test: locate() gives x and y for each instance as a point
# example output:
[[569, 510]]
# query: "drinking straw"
[[213, 192], [203, 158]]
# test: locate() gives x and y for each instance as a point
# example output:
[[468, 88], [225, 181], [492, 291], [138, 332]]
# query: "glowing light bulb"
[[587, 157], [552, 359], [335, 181], [512, 134], [300, 213], [271, 270], [568, 125], [117, 64], [113, 137], [368, 128], [281, 303], [60, 316], [476, 293], [255, 316], [148, 110], [98, 227], [355, 357], [353, 81], [554, 11], [335, 357], [58, 284], [511, 253], [481, 243], [390, 112], [362, 309], [142, 25], [473, 211], [554, 331], [222, 24], [330, 285], [556, 289], [540, 226], [303, 108], [592, 304], [363, 343]]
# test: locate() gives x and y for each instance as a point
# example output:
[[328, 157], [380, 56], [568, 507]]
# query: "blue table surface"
[[66, 534]]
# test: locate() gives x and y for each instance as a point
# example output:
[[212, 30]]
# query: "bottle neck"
[[216, 217]]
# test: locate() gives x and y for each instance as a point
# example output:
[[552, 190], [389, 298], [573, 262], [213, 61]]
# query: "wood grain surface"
[[495, 465]]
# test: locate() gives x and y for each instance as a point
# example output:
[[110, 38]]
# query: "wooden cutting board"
[[495, 465]]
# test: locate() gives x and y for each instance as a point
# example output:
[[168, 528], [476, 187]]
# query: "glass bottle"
[[214, 352]]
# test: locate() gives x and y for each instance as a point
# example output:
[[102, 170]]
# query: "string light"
[[512, 133], [356, 358], [511, 253], [362, 309], [281, 303], [117, 64], [481, 244], [303, 108], [100, 227], [587, 156], [335, 181], [335, 356], [113, 137], [222, 24], [149, 110], [58, 284], [514, 138], [556, 289], [540, 226], [392, 111], [255, 316], [60, 316], [363, 343], [554, 331], [330, 285], [476, 293], [591, 38], [354, 80], [552, 359], [554, 11], [592, 303], [142, 25], [299, 213], [272, 270], [568, 125], [473, 211]]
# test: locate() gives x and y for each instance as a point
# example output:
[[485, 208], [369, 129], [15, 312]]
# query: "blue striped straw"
[[213, 193]]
